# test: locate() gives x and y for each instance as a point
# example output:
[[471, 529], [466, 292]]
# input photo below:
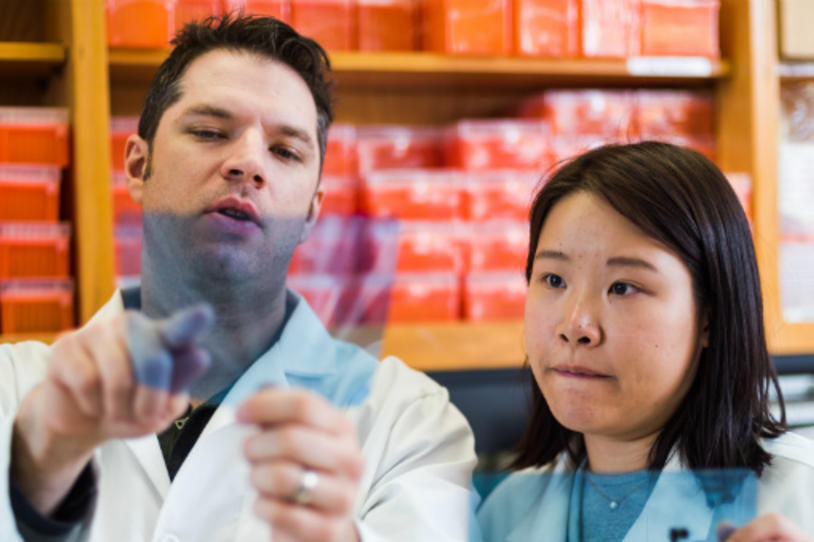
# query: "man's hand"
[[767, 528], [305, 464], [120, 378]]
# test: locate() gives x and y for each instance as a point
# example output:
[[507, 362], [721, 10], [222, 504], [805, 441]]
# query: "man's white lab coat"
[[418, 449]]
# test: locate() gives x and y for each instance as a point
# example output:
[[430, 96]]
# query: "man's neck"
[[247, 321]]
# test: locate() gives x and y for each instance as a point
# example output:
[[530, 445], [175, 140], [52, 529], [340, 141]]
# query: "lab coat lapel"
[[149, 457], [547, 519], [661, 512]]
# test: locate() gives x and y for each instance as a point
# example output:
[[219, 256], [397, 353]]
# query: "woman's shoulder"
[[791, 447]]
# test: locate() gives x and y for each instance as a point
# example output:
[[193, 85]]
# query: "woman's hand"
[[766, 528]]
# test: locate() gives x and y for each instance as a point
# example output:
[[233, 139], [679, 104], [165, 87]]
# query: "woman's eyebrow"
[[627, 261], [551, 255]]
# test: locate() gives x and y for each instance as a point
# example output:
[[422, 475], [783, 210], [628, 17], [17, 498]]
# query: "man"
[[226, 166]]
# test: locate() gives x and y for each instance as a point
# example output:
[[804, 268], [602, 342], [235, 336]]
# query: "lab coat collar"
[[548, 517]]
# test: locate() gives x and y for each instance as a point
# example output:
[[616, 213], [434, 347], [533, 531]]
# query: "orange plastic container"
[[34, 135], [742, 185], [566, 147], [280, 9], [340, 196], [332, 23], [409, 246], [610, 28], [494, 296], [482, 145], [502, 195], [413, 194], [29, 193], [387, 25], [187, 11], [34, 249], [675, 112], [120, 129], [680, 28], [36, 306], [331, 248], [139, 23], [499, 246], [475, 27], [398, 147], [127, 250], [409, 298], [546, 28], [340, 151], [610, 113], [125, 210]]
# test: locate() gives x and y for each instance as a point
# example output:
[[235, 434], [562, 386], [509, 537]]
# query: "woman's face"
[[611, 323]]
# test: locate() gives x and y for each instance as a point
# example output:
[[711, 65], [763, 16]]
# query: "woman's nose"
[[580, 324]]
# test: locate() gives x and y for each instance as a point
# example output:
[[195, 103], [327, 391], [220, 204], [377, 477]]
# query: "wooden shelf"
[[20, 337], [428, 70], [30, 58], [456, 346]]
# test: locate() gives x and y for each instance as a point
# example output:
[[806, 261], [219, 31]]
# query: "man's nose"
[[245, 160], [580, 324]]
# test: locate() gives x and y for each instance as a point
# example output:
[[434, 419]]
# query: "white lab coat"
[[418, 449], [533, 504]]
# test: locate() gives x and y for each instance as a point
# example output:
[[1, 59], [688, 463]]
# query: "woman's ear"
[[703, 326], [136, 162]]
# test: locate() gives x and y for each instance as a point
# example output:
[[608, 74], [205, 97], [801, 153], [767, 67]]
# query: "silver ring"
[[305, 493]]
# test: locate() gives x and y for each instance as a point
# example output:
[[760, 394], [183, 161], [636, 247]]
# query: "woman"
[[644, 333]]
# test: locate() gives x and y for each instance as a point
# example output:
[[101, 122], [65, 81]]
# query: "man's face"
[[234, 169]]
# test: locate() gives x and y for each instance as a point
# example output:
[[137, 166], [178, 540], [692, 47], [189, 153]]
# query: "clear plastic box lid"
[[34, 115], [23, 174], [123, 125], [30, 286], [35, 230], [390, 132], [396, 176], [342, 132]]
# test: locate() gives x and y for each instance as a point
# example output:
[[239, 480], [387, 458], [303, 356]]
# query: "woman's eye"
[[554, 281], [623, 288]]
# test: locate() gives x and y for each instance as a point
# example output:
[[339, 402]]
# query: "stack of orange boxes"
[[547, 28], [36, 291]]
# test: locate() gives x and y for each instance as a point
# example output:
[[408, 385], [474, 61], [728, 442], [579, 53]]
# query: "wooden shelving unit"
[[424, 88], [19, 58]]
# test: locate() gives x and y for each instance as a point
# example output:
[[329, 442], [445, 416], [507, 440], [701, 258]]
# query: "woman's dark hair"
[[263, 36], [681, 199]]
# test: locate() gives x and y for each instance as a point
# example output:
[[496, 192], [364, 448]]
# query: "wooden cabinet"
[[428, 88]]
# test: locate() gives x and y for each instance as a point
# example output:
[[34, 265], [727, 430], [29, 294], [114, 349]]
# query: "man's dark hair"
[[263, 36], [682, 200]]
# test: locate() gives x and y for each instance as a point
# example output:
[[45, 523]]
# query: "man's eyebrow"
[[551, 254], [626, 261], [209, 111], [297, 133]]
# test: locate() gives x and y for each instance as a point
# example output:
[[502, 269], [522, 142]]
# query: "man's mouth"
[[234, 213]]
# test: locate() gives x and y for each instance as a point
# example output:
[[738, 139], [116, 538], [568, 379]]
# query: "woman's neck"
[[615, 455]]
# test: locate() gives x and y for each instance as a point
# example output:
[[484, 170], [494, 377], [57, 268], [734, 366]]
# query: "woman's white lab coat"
[[418, 449], [533, 504]]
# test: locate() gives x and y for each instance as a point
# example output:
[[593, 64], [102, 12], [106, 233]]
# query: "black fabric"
[[74, 508], [178, 439]]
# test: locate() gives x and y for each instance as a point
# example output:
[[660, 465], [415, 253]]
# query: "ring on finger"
[[305, 492]]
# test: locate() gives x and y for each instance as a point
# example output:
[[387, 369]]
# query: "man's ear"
[[136, 159], [313, 212]]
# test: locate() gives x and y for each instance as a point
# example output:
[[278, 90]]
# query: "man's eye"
[[285, 153], [622, 288], [206, 134], [554, 281]]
